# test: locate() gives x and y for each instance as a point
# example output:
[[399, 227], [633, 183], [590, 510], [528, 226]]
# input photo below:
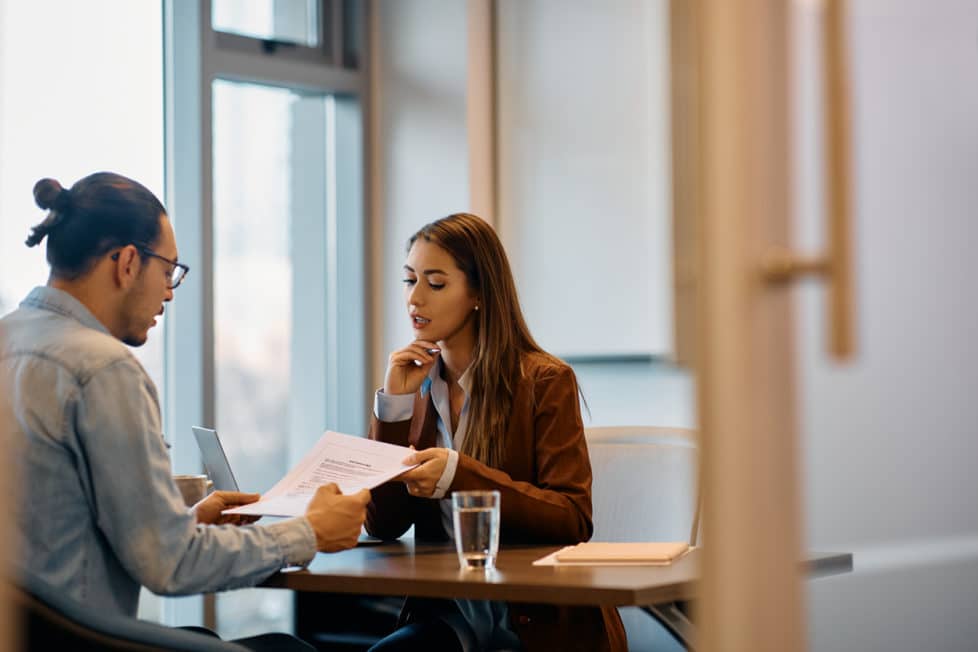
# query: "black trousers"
[[432, 634]]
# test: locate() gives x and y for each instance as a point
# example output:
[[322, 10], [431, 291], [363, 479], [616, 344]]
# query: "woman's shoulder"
[[539, 366]]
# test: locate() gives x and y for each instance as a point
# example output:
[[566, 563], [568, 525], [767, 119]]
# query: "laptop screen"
[[214, 459]]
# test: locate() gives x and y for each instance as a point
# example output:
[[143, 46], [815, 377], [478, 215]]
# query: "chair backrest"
[[53, 621], [645, 485]]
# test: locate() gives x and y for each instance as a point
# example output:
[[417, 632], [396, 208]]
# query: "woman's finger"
[[420, 489], [421, 456], [424, 345], [419, 351], [419, 348], [412, 358]]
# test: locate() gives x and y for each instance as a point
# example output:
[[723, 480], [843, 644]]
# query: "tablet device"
[[215, 461]]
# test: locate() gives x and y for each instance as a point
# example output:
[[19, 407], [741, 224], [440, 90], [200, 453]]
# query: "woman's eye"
[[435, 286], [409, 281]]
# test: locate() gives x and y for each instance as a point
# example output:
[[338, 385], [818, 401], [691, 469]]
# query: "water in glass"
[[476, 520], [477, 536]]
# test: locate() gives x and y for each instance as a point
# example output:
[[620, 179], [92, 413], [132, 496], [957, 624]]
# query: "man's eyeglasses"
[[175, 274]]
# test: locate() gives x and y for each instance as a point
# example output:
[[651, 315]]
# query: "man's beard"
[[134, 335]]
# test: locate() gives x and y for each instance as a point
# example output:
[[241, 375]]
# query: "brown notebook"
[[598, 552]]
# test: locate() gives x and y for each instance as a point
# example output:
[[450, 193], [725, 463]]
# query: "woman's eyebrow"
[[408, 268]]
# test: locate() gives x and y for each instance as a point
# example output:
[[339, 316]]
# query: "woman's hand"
[[421, 480], [408, 367], [209, 509]]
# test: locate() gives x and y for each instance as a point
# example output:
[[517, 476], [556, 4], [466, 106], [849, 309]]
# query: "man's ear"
[[127, 267]]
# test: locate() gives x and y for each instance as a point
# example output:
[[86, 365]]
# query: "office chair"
[[644, 489], [52, 621]]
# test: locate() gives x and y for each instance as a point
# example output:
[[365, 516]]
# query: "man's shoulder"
[[80, 350]]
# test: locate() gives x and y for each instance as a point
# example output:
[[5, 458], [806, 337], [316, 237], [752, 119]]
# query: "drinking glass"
[[476, 519]]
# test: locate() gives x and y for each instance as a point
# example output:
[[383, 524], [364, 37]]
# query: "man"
[[99, 513]]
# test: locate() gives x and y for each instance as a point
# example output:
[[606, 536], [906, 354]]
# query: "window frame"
[[195, 55]]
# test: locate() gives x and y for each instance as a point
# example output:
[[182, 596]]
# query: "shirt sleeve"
[[139, 510], [445, 481], [391, 408]]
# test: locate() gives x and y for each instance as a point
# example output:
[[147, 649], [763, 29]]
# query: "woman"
[[486, 408]]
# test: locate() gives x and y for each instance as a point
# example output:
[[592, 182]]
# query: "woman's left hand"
[[421, 480]]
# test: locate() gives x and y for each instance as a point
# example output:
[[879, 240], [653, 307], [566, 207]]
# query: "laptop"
[[215, 461]]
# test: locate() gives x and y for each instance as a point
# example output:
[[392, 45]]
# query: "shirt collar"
[[59, 301], [465, 381], [434, 377]]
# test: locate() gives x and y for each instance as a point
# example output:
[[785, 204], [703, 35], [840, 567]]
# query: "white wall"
[[584, 182], [891, 441], [422, 151]]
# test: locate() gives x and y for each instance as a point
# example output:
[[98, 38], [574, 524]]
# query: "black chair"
[[52, 621]]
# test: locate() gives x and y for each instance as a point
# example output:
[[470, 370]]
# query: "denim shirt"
[[98, 513]]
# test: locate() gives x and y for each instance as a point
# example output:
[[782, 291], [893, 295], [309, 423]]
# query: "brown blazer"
[[544, 483]]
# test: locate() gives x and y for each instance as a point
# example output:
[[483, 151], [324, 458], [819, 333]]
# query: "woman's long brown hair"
[[502, 337]]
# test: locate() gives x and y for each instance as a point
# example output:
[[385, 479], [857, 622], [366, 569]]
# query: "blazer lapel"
[[423, 431]]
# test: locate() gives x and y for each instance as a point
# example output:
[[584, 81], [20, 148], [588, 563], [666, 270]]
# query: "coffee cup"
[[193, 488]]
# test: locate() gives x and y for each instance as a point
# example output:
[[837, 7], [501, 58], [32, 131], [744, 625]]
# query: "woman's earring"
[[477, 307]]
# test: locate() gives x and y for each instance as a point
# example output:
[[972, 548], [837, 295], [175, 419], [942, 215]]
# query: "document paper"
[[353, 463]]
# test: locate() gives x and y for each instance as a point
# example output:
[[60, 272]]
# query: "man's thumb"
[[329, 489]]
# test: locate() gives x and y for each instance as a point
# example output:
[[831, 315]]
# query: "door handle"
[[782, 266]]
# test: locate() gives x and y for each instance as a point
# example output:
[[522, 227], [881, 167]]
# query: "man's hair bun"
[[49, 195]]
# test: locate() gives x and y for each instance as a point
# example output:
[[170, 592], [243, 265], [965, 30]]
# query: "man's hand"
[[421, 480], [209, 510], [336, 519]]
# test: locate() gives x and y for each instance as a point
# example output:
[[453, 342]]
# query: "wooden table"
[[431, 570]]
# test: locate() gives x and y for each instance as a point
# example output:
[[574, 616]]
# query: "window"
[[270, 187], [269, 331], [70, 105], [291, 21]]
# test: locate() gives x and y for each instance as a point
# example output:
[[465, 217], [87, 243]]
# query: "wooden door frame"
[[745, 357]]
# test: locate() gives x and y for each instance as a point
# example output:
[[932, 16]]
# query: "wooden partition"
[[744, 345]]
